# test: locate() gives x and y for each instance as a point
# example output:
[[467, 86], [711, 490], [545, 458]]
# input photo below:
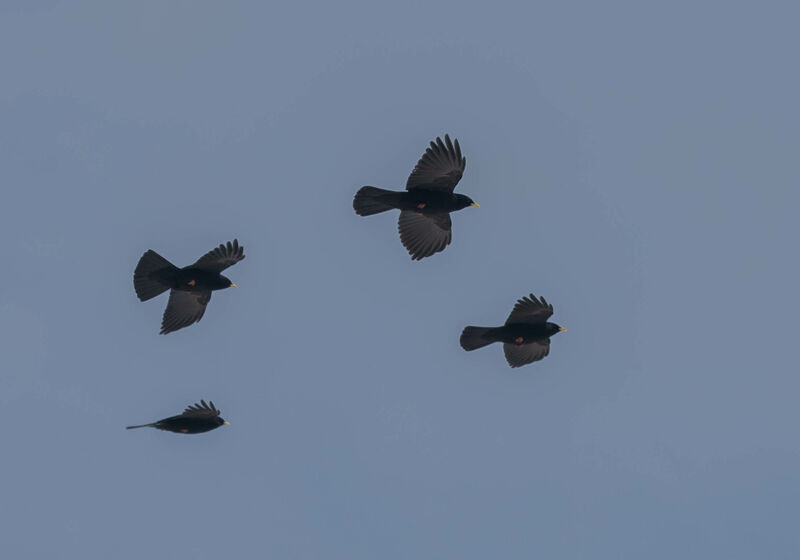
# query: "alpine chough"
[[196, 419], [426, 204], [190, 287], [525, 336]]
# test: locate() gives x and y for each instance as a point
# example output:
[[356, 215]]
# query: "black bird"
[[426, 205], [525, 336], [196, 419], [190, 286]]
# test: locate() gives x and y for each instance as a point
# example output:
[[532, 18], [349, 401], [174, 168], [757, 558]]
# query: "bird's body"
[[426, 204], [525, 335], [519, 333], [195, 419], [422, 201], [181, 425], [193, 279], [190, 287]]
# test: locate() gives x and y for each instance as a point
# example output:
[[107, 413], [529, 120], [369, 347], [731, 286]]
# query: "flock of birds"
[[425, 229]]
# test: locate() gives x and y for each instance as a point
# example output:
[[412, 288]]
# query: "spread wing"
[[202, 410], [183, 309], [439, 168], [521, 354], [221, 258], [530, 310], [424, 234]]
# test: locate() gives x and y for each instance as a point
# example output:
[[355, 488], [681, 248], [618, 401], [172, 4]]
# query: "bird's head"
[[552, 329], [463, 201], [226, 282], [222, 422]]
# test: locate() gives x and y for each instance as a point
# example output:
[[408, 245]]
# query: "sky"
[[635, 163]]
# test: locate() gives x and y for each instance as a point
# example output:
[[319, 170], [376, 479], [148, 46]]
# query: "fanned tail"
[[473, 338], [372, 200], [152, 274]]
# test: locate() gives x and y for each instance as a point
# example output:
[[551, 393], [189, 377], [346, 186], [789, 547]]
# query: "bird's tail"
[[372, 200], [473, 338], [140, 426], [151, 275]]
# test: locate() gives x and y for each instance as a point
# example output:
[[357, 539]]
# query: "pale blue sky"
[[635, 163]]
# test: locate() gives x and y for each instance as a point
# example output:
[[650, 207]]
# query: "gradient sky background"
[[635, 162]]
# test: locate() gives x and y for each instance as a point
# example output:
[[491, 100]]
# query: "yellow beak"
[[562, 329], [476, 205], [227, 423], [234, 285]]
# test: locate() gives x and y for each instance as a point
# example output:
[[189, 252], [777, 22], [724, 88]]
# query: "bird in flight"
[[425, 206], [195, 419], [525, 336], [190, 287]]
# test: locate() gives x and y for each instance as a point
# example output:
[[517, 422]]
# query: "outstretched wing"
[[530, 310], [439, 168], [424, 234], [221, 258], [202, 410], [521, 354], [184, 309]]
